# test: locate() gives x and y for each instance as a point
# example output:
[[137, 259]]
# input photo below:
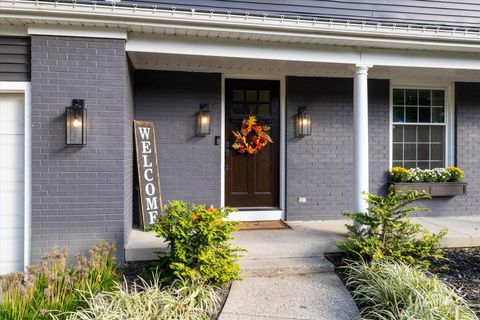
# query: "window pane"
[[264, 96], [251, 108], [397, 151], [410, 133], [423, 152], [411, 97], [410, 151], [411, 114], [238, 95], [437, 152], [424, 165], [238, 108], [438, 115], [251, 95], [398, 114], [437, 134], [398, 133], [437, 164], [424, 115], [399, 97], [424, 98], [410, 164], [438, 98], [423, 134], [264, 108]]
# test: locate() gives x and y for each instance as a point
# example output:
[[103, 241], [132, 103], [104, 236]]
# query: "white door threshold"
[[256, 215]]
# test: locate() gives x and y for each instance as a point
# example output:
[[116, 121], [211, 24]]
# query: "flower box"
[[435, 189]]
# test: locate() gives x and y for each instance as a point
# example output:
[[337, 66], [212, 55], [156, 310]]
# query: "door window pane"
[[238, 95], [264, 96], [251, 95]]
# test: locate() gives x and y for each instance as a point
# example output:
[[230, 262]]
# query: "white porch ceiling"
[[196, 63]]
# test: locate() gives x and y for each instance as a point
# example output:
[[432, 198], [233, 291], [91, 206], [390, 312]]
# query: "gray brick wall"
[[128, 150], [78, 192], [189, 165], [320, 167]]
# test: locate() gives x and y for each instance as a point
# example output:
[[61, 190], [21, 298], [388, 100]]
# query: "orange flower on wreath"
[[252, 137]]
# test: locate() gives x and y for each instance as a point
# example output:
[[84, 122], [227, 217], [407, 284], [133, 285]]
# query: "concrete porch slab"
[[308, 239]]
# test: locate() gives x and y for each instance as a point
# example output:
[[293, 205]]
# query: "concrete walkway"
[[287, 277]]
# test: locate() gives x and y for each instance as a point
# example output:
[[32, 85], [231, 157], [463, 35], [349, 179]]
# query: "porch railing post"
[[360, 140]]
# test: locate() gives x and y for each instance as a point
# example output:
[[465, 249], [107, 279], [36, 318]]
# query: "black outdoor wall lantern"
[[203, 121], [76, 123], [303, 123]]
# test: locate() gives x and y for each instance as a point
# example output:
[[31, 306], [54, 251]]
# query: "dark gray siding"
[[433, 12], [79, 194], [14, 58], [320, 167], [189, 165]]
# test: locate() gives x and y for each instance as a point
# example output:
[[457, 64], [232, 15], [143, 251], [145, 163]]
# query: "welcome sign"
[[148, 177]]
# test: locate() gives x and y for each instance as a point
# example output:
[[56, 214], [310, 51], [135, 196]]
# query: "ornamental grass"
[[52, 287], [395, 291], [182, 300]]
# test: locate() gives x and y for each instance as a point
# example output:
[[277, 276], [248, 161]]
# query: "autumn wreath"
[[252, 138]]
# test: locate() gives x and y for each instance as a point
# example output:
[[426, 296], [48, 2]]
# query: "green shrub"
[[182, 300], [199, 241], [52, 287], [399, 174], [456, 174], [385, 233], [395, 291]]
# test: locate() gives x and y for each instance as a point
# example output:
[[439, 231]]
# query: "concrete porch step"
[[289, 266]]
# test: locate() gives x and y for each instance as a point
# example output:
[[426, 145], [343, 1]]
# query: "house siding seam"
[[78, 195], [189, 165]]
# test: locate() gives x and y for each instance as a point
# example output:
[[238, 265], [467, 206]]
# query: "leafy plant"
[[182, 300], [389, 290], [52, 287], [385, 233], [199, 241], [456, 174], [399, 174]]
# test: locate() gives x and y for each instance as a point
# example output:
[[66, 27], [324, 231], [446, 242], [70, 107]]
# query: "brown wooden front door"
[[252, 181]]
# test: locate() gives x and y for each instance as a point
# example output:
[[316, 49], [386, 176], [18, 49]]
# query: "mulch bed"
[[132, 270], [462, 271]]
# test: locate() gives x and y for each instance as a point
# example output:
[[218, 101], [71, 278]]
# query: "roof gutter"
[[109, 15]]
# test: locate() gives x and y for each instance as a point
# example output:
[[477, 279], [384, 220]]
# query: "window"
[[419, 123]]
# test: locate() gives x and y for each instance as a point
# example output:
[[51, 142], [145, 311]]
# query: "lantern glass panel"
[[76, 125], [203, 123], [304, 124]]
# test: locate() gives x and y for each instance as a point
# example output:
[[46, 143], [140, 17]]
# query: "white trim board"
[[25, 88], [246, 215], [77, 32], [246, 49]]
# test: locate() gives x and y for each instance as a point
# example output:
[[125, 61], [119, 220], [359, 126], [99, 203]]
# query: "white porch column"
[[360, 140]]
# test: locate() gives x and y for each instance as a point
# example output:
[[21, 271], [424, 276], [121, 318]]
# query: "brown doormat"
[[263, 225]]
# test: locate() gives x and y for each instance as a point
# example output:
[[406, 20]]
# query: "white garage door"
[[12, 108]]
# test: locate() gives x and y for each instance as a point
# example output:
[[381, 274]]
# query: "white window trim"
[[256, 215], [25, 88], [449, 115]]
